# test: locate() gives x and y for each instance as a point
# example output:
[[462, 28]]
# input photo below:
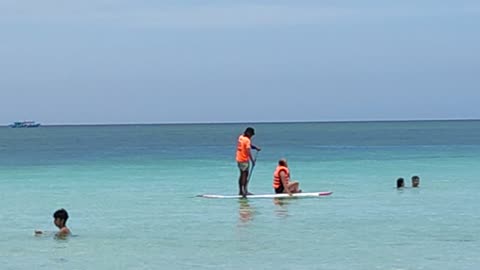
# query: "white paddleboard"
[[266, 196]]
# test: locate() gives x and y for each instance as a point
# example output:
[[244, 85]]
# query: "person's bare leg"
[[240, 184], [294, 187], [243, 183]]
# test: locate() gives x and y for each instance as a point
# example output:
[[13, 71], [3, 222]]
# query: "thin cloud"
[[238, 16], [169, 16], [194, 16]]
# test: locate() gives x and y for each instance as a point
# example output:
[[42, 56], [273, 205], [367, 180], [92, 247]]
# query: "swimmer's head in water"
[[415, 181], [400, 183], [60, 217]]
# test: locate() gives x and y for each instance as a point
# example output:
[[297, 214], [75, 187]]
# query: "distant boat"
[[25, 124]]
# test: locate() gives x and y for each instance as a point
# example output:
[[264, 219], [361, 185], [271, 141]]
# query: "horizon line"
[[252, 122]]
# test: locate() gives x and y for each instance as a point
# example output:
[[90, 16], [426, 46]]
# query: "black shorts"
[[279, 190]]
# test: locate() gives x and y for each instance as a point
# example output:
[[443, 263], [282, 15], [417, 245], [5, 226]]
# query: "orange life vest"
[[277, 182], [243, 146]]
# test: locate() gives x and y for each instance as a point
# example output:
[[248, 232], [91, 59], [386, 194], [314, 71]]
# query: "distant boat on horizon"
[[25, 124]]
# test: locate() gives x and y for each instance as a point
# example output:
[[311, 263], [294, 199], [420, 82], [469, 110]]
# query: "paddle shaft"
[[253, 166]]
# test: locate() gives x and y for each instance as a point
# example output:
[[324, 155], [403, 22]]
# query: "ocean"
[[131, 192]]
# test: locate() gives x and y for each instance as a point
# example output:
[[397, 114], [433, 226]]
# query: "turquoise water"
[[130, 192]]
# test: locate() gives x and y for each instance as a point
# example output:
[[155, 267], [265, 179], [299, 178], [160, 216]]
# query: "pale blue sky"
[[106, 61]]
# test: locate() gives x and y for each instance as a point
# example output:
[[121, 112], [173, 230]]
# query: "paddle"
[[253, 166]]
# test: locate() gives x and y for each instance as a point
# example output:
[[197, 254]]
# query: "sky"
[[145, 61]]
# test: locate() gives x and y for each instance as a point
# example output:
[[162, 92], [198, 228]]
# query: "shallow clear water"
[[130, 192]]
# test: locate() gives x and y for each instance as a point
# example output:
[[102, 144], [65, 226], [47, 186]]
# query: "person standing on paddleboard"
[[243, 157]]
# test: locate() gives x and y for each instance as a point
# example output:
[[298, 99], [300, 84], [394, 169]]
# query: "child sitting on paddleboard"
[[281, 179]]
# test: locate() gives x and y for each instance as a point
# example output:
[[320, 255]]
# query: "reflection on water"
[[246, 211], [281, 209]]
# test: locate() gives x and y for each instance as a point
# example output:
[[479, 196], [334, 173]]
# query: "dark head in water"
[[60, 218], [400, 183], [415, 181]]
